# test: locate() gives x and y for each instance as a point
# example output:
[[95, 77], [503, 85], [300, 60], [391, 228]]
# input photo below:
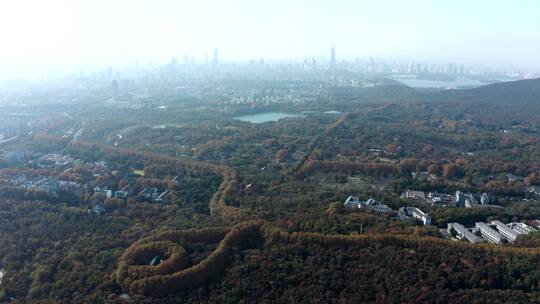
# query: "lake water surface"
[[265, 117], [414, 82]]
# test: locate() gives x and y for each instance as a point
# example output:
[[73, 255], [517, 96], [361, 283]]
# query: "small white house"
[[352, 202]]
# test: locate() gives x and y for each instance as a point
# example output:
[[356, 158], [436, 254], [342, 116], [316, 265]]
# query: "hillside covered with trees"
[[193, 205]]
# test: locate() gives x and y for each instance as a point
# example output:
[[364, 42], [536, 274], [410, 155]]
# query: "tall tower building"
[[215, 62], [333, 58], [115, 90]]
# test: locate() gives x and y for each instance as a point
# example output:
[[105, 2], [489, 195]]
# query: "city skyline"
[[67, 36]]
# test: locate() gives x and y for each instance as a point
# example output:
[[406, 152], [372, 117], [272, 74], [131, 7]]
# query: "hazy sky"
[[46, 35]]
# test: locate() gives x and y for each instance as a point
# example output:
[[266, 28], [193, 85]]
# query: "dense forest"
[[191, 205]]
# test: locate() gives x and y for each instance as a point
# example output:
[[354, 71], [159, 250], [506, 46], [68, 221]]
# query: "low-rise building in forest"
[[490, 234], [122, 193], [470, 200], [535, 190], [421, 176], [353, 202], [104, 189], [407, 212], [153, 194], [510, 234], [414, 194], [460, 232], [439, 199], [495, 232], [521, 228]]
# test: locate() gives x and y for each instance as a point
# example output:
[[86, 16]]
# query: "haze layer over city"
[[269, 151], [63, 37]]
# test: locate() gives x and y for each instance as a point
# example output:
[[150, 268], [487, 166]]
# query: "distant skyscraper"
[[115, 90], [110, 72], [216, 57], [333, 58]]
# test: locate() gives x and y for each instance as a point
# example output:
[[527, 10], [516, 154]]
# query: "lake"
[[414, 82], [266, 117]]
